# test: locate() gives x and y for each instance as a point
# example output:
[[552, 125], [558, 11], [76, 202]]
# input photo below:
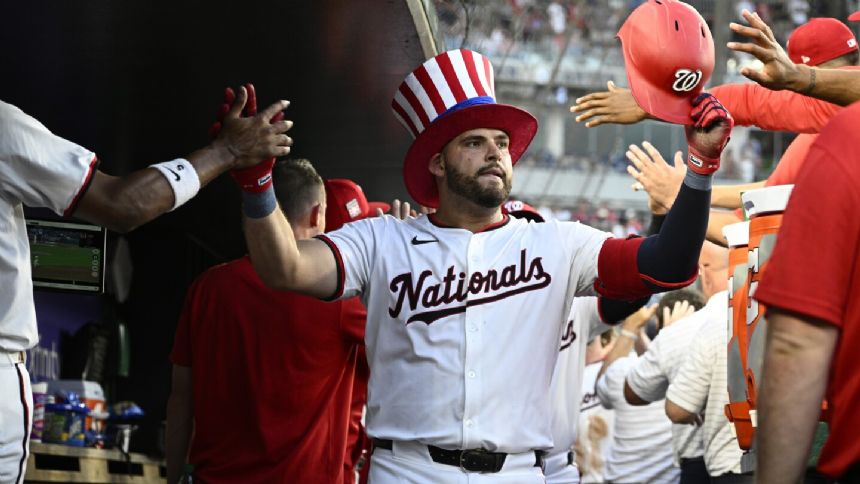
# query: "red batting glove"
[[709, 136], [229, 99], [257, 178]]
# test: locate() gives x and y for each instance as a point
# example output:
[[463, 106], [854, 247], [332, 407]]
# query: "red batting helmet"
[[669, 56]]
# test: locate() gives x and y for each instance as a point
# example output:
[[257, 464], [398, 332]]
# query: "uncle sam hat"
[[444, 97]]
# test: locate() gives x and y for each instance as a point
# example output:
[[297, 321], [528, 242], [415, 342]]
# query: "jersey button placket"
[[473, 333]]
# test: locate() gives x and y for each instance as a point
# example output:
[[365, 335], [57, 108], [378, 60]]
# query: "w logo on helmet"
[[686, 80]]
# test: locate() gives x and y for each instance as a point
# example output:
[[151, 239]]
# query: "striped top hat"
[[444, 97]]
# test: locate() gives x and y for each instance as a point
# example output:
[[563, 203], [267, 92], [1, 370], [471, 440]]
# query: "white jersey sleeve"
[[355, 244], [584, 244], [40, 169], [647, 378]]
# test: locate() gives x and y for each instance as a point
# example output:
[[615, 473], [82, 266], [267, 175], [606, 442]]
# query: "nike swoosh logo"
[[174, 173], [415, 241]]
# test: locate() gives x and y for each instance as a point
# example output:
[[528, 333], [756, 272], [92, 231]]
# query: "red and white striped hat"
[[444, 97]]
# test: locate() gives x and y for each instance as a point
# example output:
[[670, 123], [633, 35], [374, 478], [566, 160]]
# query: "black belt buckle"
[[480, 460]]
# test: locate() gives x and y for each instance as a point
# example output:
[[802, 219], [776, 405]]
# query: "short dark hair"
[[298, 187], [852, 58], [849, 59], [692, 296]]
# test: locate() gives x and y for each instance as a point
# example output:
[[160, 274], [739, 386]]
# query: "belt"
[[471, 460], [12, 357]]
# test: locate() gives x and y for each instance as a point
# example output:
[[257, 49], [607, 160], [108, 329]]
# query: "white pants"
[[410, 463], [16, 417], [558, 471]]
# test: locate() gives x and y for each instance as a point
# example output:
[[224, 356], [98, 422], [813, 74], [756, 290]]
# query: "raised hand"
[[660, 180], [614, 106], [680, 310], [639, 319], [255, 138], [778, 72], [710, 134]]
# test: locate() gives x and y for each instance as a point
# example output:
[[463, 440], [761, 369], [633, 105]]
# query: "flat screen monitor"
[[66, 255]]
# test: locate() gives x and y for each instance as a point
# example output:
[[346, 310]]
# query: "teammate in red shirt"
[[814, 315], [346, 202], [265, 376]]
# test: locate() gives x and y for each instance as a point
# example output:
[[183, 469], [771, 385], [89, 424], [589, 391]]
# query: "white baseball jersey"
[[463, 328], [595, 429], [701, 386], [584, 320], [37, 169]]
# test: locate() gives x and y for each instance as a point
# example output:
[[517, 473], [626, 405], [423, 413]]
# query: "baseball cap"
[[345, 202], [520, 209], [854, 17], [820, 40]]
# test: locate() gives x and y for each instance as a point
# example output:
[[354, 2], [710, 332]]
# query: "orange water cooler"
[[765, 207], [738, 408]]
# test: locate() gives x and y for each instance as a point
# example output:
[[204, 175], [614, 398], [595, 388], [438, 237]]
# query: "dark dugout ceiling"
[[138, 81]]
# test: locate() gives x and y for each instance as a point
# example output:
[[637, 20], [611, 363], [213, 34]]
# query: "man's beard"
[[469, 188]]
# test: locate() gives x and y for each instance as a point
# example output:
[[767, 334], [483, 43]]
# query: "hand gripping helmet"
[[669, 56]]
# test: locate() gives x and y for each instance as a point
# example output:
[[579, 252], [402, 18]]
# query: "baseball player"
[[41, 169], [465, 305], [589, 316]]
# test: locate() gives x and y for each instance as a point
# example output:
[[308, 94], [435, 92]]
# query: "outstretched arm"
[[837, 86], [634, 267], [750, 105], [754, 105], [663, 183], [729, 196], [282, 262], [630, 332], [123, 203]]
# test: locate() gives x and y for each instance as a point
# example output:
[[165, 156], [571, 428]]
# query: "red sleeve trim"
[[86, 185], [341, 278], [618, 271], [670, 285]]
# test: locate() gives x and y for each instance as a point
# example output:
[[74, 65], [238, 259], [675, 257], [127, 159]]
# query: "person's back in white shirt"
[[641, 449], [700, 386], [650, 377]]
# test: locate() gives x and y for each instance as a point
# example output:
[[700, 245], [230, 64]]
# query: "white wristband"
[[182, 176], [629, 334]]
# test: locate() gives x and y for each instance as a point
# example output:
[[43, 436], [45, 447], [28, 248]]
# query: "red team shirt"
[[273, 378], [823, 219]]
